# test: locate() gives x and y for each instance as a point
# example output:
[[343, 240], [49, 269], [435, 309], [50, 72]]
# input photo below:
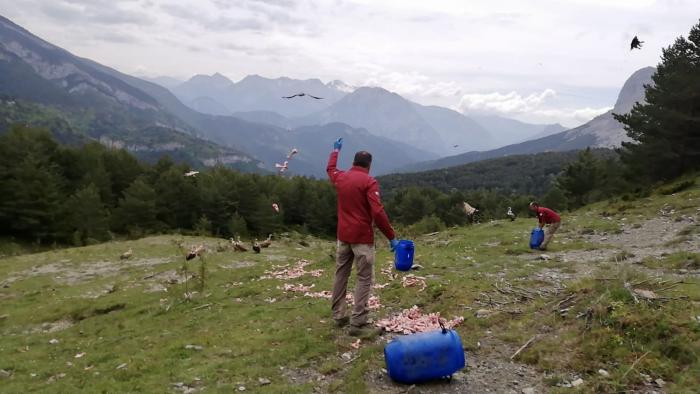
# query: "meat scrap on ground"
[[296, 288], [296, 271], [412, 321], [413, 281]]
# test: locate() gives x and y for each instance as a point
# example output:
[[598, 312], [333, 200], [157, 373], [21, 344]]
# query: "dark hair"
[[362, 159]]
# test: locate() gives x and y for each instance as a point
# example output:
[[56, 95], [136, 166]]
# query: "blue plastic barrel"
[[426, 356], [536, 238], [403, 255]]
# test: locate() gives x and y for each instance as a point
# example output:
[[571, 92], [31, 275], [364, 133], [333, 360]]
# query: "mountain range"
[[210, 120], [439, 130], [603, 131]]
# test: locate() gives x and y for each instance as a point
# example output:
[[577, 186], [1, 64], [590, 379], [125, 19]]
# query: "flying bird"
[[282, 167], [636, 44], [292, 153], [191, 173], [302, 95]]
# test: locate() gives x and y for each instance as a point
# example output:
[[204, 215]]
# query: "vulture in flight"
[[636, 44], [302, 95]]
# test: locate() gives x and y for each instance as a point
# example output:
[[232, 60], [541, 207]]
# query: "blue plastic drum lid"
[[423, 357], [403, 255], [536, 238]]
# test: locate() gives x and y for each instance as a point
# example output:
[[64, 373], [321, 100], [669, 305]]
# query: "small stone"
[[264, 381], [459, 376], [384, 370], [32, 375], [603, 373], [481, 313], [347, 356], [194, 347], [241, 388], [544, 257], [660, 382], [682, 271], [577, 382], [80, 355], [528, 390], [54, 341], [179, 384], [121, 366], [5, 374]]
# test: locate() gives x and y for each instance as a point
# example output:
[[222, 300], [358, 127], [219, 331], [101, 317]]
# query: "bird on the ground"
[[510, 214], [238, 245], [636, 44], [256, 246], [266, 243], [191, 173], [126, 255], [302, 95], [292, 153], [194, 252]]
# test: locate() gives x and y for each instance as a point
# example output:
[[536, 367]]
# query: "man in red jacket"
[[548, 217], [359, 206]]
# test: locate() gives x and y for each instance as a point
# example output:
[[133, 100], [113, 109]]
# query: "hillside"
[[517, 174], [601, 132], [619, 279]]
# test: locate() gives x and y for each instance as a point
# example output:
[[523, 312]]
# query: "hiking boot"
[[342, 322], [365, 332]]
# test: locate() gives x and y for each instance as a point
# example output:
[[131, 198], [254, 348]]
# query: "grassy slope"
[[290, 341]]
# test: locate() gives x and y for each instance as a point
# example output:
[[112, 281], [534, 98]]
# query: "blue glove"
[[338, 144], [393, 244]]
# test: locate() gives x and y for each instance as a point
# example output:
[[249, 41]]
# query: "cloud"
[[100, 12], [508, 103]]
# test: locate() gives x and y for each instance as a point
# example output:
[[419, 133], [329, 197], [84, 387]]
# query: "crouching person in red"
[[547, 217], [359, 206]]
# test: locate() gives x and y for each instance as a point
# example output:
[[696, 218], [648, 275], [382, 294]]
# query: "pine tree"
[[136, 212], [666, 128], [85, 217], [580, 178]]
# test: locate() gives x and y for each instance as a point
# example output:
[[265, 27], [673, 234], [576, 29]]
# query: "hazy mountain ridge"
[[602, 131]]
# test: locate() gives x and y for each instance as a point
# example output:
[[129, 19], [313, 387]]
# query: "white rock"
[[121, 366], [577, 382], [241, 388], [544, 257], [603, 372], [346, 356], [80, 355], [54, 341], [528, 390], [5, 374], [660, 382], [264, 381], [194, 347]]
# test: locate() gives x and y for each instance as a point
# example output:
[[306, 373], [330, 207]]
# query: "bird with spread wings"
[[302, 95], [636, 44]]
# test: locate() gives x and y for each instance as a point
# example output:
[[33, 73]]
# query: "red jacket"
[[547, 216], [358, 204]]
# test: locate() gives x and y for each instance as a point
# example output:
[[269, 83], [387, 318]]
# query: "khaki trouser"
[[549, 233], [362, 255]]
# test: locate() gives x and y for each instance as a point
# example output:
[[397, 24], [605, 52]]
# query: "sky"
[[540, 61]]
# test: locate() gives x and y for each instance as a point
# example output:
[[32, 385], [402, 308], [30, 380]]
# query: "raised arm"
[[332, 167]]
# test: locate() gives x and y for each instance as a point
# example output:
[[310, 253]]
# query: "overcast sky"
[[538, 60]]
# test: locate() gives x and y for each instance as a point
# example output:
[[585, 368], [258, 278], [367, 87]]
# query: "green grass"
[[114, 318]]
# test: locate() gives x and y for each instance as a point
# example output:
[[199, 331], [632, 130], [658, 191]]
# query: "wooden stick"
[[635, 363], [672, 286], [201, 306], [523, 347]]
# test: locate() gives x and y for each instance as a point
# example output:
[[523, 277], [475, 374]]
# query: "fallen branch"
[[201, 306], [635, 363], [351, 360], [523, 347], [672, 286]]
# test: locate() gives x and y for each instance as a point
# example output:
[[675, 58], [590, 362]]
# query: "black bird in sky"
[[302, 95], [636, 44]]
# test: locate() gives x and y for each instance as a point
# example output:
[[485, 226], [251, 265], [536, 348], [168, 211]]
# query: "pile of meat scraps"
[[286, 272], [389, 272], [412, 321], [296, 288], [413, 281]]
